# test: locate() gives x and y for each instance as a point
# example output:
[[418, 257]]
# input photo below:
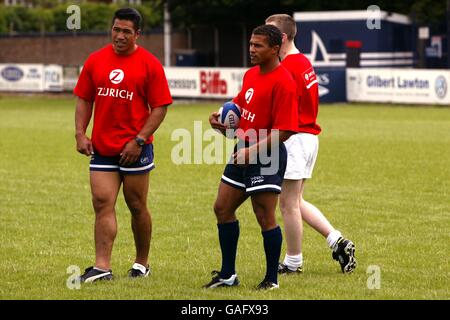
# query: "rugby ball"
[[229, 115]]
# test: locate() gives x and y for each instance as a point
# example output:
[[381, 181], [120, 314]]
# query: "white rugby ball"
[[230, 115]]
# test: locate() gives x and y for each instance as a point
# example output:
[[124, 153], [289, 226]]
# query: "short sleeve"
[[85, 88], [158, 93], [240, 98]]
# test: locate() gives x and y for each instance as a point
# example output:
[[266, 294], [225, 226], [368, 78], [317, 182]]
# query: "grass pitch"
[[382, 178]]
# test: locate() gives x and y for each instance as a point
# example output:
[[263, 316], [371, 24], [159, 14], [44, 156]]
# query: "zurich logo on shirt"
[[116, 76], [249, 95]]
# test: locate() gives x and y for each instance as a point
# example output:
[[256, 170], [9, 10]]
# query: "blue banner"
[[331, 84]]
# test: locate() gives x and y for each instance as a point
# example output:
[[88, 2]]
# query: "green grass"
[[382, 178]]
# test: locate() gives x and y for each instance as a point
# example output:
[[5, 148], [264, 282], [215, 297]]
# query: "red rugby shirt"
[[124, 89]]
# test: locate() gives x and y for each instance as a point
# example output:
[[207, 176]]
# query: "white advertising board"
[[22, 77], [204, 82], [31, 77], [412, 86], [53, 78]]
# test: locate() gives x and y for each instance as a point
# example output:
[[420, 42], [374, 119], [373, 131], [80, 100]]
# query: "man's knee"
[[266, 220], [283, 204], [219, 209], [102, 203], [223, 212], [289, 207], [137, 205]]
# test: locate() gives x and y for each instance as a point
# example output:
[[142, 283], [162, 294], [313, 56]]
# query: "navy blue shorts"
[[111, 164], [263, 176]]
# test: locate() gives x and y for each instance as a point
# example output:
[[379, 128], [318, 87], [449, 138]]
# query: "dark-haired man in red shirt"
[[269, 105], [126, 87]]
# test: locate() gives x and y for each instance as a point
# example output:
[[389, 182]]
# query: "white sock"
[[140, 267], [293, 262], [102, 270], [333, 237]]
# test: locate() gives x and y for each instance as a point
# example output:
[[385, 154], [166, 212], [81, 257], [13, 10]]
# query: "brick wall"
[[73, 50]]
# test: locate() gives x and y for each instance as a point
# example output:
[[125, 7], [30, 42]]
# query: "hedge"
[[95, 17]]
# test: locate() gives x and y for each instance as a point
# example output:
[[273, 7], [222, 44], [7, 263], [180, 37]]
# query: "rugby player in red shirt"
[[302, 151], [126, 88], [268, 103]]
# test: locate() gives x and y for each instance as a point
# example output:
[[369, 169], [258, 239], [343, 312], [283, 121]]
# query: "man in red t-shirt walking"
[[302, 151], [126, 87], [268, 105]]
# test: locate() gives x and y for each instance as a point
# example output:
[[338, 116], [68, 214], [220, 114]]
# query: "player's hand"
[[130, 153], [215, 124], [84, 145]]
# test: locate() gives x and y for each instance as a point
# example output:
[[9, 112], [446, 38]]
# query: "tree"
[[187, 13]]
